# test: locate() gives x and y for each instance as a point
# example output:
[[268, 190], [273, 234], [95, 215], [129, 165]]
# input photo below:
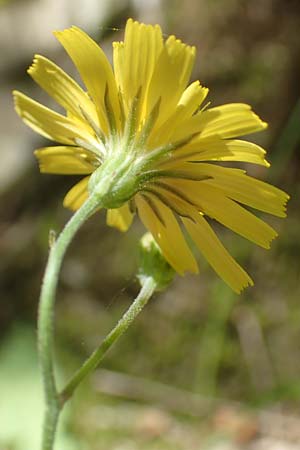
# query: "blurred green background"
[[202, 368]]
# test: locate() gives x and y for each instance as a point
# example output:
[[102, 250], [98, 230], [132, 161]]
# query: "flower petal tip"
[[59, 33], [272, 238], [35, 62], [248, 283], [17, 97]]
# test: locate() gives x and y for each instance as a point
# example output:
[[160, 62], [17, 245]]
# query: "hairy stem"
[[46, 318], [54, 400], [149, 286]]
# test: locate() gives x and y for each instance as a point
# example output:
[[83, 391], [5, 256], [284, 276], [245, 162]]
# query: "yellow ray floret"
[[170, 77], [165, 229], [120, 218], [49, 123], [190, 100], [77, 195], [212, 202], [216, 254], [94, 70], [65, 160], [135, 60], [225, 122], [62, 88]]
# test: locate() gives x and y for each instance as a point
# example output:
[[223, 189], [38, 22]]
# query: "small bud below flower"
[[153, 264]]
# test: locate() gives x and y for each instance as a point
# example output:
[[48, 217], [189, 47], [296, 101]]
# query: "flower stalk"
[[148, 287], [55, 400], [46, 318]]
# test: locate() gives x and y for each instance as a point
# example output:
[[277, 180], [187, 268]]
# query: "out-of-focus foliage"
[[224, 354]]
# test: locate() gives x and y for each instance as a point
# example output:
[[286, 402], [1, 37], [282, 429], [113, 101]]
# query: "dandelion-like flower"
[[140, 125]]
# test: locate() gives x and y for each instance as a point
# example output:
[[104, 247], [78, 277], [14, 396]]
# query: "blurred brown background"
[[201, 368]]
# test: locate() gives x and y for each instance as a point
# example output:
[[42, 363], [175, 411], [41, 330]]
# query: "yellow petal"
[[170, 77], [175, 202], [191, 99], [94, 69], [135, 59], [216, 254], [243, 151], [119, 66], [213, 202], [120, 218], [236, 184], [182, 57], [189, 102], [48, 123], [233, 120], [161, 222], [77, 195], [62, 88], [226, 121], [207, 241], [248, 190], [64, 160], [215, 149]]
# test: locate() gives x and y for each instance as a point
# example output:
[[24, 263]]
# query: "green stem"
[[110, 184], [46, 318], [148, 287], [50, 424], [54, 400]]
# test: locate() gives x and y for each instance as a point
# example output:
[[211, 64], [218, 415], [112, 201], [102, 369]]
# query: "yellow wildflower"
[[143, 121]]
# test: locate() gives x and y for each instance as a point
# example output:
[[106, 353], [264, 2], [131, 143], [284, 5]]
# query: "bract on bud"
[[153, 264]]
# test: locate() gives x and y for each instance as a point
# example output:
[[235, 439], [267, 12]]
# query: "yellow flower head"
[[141, 120]]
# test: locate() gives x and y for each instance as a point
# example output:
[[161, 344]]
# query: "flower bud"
[[153, 264]]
